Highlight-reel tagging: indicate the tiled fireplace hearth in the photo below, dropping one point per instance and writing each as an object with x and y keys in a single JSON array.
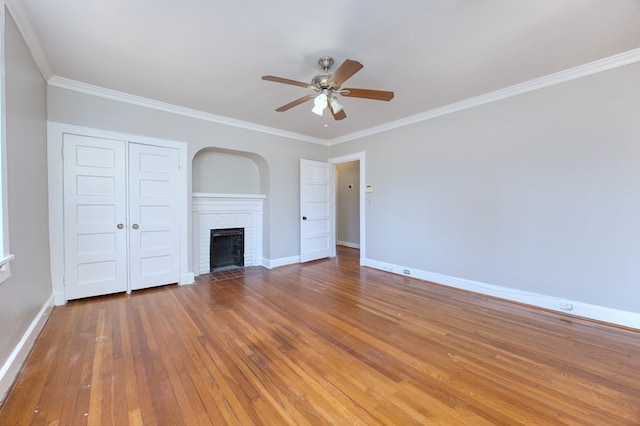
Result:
[{"x": 220, "y": 211}]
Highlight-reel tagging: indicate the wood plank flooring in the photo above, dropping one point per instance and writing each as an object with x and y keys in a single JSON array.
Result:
[{"x": 323, "y": 343}]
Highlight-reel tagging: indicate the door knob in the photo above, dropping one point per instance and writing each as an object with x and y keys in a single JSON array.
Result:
[
  {"x": 304, "y": 218},
  {"x": 134, "y": 226},
  {"x": 120, "y": 226}
]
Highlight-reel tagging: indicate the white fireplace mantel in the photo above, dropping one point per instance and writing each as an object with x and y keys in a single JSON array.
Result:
[{"x": 216, "y": 211}]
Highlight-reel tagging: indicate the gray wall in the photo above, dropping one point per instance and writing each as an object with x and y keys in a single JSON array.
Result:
[
  {"x": 29, "y": 287},
  {"x": 282, "y": 155},
  {"x": 539, "y": 192},
  {"x": 222, "y": 172},
  {"x": 348, "y": 202}
]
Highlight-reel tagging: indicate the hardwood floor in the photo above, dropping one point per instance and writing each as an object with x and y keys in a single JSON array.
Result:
[{"x": 323, "y": 343}]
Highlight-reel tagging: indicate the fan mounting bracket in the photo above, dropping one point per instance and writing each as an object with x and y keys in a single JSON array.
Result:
[{"x": 325, "y": 63}]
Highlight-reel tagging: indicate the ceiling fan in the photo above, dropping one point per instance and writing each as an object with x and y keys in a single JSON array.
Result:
[{"x": 326, "y": 86}]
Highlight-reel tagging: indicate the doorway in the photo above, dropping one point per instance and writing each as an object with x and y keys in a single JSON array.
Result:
[
  {"x": 350, "y": 201},
  {"x": 348, "y": 204}
]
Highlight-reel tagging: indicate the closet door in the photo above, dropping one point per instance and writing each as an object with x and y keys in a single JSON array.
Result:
[
  {"x": 95, "y": 232},
  {"x": 153, "y": 215}
]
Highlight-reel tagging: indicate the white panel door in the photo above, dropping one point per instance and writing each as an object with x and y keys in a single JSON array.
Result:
[
  {"x": 317, "y": 239},
  {"x": 153, "y": 221},
  {"x": 95, "y": 214}
]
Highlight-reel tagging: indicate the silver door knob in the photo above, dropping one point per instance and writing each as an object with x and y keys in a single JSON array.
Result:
[
  {"x": 134, "y": 226},
  {"x": 120, "y": 226}
]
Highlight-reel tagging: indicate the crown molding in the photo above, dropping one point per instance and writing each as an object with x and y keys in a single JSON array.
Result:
[
  {"x": 89, "y": 89},
  {"x": 29, "y": 34},
  {"x": 574, "y": 73},
  {"x": 590, "y": 68},
  {"x": 30, "y": 37}
]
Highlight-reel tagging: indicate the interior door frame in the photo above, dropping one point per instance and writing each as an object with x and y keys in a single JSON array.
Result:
[
  {"x": 360, "y": 157},
  {"x": 55, "y": 165}
]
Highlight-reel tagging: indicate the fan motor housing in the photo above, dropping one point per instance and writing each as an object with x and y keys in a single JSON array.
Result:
[{"x": 321, "y": 81}]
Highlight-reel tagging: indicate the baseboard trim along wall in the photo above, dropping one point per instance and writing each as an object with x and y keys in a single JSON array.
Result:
[
  {"x": 283, "y": 261},
  {"x": 12, "y": 366},
  {"x": 570, "y": 307},
  {"x": 348, "y": 244}
]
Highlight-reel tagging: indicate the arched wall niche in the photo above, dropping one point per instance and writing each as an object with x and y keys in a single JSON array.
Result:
[
  {"x": 223, "y": 176},
  {"x": 224, "y": 171}
]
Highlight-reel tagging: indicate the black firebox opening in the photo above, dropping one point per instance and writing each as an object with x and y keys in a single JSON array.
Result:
[{"x": 226, "y": 249}]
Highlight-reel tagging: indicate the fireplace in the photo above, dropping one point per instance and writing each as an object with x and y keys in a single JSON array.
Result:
[
  {"x": 224, "y": 211},
  {"x": 226, "y": 249}
]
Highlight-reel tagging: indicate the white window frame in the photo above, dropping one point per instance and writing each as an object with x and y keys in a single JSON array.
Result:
[{"x": 5, "y": 257}]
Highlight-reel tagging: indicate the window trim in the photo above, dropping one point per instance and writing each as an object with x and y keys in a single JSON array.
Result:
[{"x": 5, "y": 257}]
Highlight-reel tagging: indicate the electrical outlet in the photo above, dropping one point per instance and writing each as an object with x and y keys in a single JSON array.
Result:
[{"x": 566, "y": 306}]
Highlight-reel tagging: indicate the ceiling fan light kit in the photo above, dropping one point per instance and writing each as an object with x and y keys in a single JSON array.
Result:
[
  {"x": 319, "y": 104},
  {"x": 328, "y": 85},
  {"x": 335, "y": 105}
]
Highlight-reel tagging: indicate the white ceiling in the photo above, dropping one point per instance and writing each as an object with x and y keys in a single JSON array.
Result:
[{"x": 209, "y": 55}]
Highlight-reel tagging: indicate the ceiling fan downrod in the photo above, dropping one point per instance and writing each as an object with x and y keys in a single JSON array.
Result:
[{"x": 321, "y": 81}]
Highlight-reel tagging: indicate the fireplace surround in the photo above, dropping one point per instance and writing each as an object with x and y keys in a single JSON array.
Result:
[{"x": 224, "y": 211}]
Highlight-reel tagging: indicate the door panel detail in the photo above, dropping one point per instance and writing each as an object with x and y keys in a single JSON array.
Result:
[
  {"x": 120, "y": 216},
  {"x": 317, "y": 239}
]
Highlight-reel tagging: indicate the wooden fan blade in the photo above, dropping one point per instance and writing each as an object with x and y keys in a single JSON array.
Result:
[
  {"x": 340, "y": 115},
  {"x": 344, "y": 72},
  {"x": 286, "y": 81},
  {"x": 296, "y": 102},
  {"x": 378, "y": 95}
]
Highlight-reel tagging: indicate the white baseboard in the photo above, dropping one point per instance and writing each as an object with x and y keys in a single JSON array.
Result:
[
  {"x": 58, "y": 298},
  {"x": 570, "y": 307},
  {"x": 188, "y": 278},
  {"x": 18, "y": 356},
  {"x": 348, "y": 244},
  {"x": 283, "y": 261}
]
